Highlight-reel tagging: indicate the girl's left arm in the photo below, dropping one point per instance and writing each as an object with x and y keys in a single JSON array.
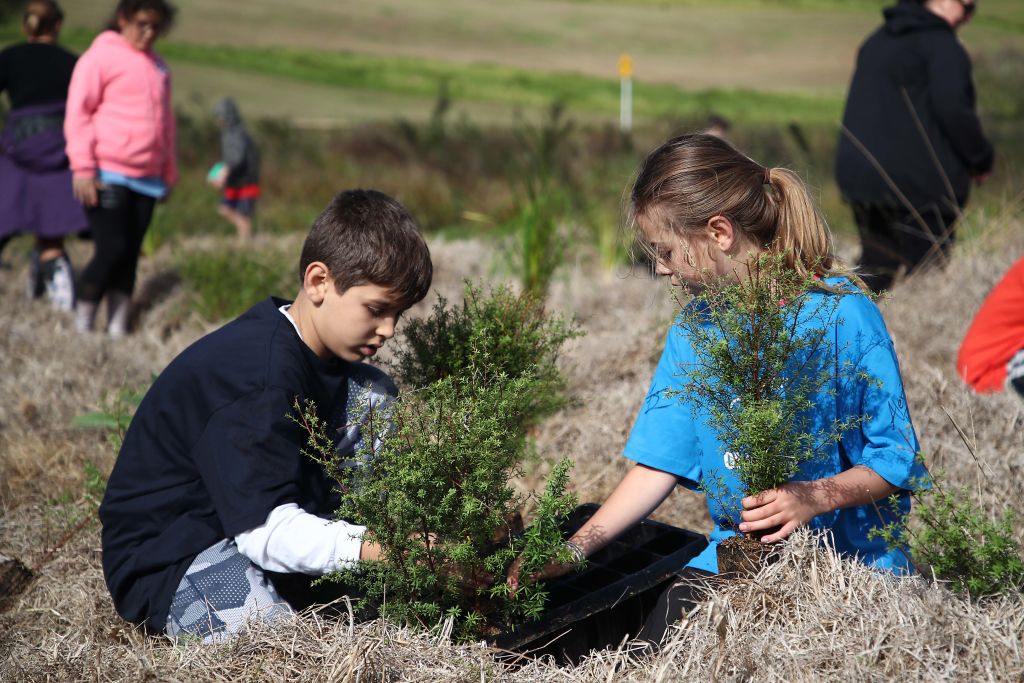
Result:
[{"x": 798, "y": 502}]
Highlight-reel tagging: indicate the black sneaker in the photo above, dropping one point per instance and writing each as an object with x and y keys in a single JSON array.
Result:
[{"x": 36, "y": 286}]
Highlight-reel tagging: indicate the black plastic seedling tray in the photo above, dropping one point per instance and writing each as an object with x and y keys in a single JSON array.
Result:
[{"x": 612, "y": 597}]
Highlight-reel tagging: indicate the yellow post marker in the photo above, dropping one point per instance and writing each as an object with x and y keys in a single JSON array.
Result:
[
  {"x": 625, "y": 66},
  {"x": 625, "y": 92}
]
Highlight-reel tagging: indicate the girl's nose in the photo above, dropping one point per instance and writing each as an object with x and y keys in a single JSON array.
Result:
[{"x": 662, "y": 268}]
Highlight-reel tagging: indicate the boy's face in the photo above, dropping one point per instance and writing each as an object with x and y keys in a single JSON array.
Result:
[{"x": 353, "y": 325}]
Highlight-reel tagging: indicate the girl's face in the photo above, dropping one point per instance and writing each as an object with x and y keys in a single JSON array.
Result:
[
  {"x": 693, "y": 261},
  {"x": 141, "y": 29},
  {"x": 689, "y": 261}
]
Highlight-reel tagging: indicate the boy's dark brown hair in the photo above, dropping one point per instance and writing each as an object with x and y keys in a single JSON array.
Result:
[{"x": 366, "y": 237}]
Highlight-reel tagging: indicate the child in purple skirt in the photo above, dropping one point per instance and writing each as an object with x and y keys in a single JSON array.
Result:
[{"x": 35, "y": 182}]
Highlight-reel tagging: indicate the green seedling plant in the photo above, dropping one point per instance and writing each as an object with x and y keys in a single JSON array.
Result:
[
  {"x": 547, "y": 194},
  {"x": 114, "y": 416},
  {"x": 954, "y": 537},
  {"x": 73, "y": 512},
  {"x": 432, "y": 482},
  {"x": 762, "y": 358}
]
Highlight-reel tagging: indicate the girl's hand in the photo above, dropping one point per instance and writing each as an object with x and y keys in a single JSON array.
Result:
[
  {"x": 798, "y": 502},
  {"x": 789, "y": 506},
  {"x": 85, "y": 190}
]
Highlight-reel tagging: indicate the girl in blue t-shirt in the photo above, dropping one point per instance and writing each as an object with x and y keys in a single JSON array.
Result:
[{"x": 704, "y": 211}]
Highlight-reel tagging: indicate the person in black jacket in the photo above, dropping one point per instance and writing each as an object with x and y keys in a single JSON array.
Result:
[{"x": 911, "y": 140}]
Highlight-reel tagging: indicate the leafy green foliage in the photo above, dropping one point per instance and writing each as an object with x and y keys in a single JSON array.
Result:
[
  {"x": 490, "y": 334},
  {"x": 537, "y": 543},
  {"x": 547, "y": 194},
  {"x": 762, "y": 358},
  {"x": 224, "y": 284},
  {"x": 434, "y": 492},
  {"x": 114, "y": 416},
  {"x": 73, "y": 511},
  {"x": 972, "y": 548}
]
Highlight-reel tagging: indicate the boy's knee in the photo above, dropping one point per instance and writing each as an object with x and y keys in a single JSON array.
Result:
[{"x": 221, "y": 595}]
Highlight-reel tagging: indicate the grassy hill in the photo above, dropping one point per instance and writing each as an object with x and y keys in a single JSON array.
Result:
[{"x": 329, "y": 58}]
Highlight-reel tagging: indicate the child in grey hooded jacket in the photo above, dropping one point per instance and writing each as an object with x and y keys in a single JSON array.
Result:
[{"x": 239, "y": 174}]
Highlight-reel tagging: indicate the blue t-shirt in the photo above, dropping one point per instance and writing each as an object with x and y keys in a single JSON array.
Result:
[{"x": 673, "y": 434}]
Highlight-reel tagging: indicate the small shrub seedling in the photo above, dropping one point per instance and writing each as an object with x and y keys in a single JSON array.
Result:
[
  {"x": 431, "y": 483},
  {"x": 960, "y": 541}
]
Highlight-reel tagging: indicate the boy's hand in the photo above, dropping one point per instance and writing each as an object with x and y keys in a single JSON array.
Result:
[
  {"x": 789, "y": 506},
  {"x": 551, "y": 570}
]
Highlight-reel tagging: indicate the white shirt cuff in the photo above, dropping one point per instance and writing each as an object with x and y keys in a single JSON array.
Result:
[{"x": 294, "y": 541}]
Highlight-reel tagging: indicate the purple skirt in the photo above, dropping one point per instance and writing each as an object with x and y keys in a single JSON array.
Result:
[{"x": 35, "y": 182}]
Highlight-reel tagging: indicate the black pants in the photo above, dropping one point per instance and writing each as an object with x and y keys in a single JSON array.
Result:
[
  {"x": 118, "y": 224},
  {"x": 681, "y": 597},
  {"x": 892, "y": 236}
]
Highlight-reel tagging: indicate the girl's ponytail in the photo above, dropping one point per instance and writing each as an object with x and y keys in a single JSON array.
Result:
[{"x": 800, "y": 230}]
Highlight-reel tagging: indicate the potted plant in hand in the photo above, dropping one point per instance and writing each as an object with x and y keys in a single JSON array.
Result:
[{"x": 763, "y": 356}]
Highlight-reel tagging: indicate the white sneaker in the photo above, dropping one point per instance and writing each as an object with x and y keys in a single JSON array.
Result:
[
  {"x": 119, "y": 313},
  {"x": 60, "y": 285},
  {"x": 85, "y": 316}
]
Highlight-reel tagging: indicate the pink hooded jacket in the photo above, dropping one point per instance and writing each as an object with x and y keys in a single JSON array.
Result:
[{"x": 119, "y": 114}]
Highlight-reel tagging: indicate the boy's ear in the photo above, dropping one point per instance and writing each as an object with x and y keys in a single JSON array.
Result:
[
  {"x": 315, "y": 281},
  {"x": 722, "y": 232}
]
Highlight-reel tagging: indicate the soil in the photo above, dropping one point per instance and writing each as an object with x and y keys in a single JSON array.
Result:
[
  {"x": 14, "y": 578},
  {"x": 743, "y": 556}
]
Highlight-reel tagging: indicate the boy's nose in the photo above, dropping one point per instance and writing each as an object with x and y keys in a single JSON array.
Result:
[{"x": 387, "y": 328}]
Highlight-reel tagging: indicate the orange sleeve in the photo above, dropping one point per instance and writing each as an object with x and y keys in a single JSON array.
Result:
[{"x": 995, "y": 335}]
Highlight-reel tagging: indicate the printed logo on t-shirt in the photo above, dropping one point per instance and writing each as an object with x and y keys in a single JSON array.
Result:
[
  {"x": 900, "y": 411},
  {"x": 730, "y": 460}
]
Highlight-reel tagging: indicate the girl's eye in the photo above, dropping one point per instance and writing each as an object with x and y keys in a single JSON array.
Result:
[{"x": 375, "y": 312}]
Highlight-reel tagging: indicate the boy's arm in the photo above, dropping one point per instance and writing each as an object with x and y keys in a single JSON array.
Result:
[
  {"x": 293, "y": 540},
  {"x": 798, "y": 502}
]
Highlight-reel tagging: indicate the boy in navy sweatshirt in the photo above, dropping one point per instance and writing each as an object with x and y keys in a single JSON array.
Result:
[{"x": 211, "y": 508}]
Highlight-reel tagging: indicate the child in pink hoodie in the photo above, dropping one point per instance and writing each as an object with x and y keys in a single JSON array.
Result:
[{"x": 120, "y": 135}]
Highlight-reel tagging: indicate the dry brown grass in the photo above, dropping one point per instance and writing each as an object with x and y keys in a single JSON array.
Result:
[{"x": 809, "y": 617}]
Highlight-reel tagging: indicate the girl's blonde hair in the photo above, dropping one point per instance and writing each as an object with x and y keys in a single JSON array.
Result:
[
  {"x": 690, "y": 179},
  {"x": 41, "y": 18}
]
